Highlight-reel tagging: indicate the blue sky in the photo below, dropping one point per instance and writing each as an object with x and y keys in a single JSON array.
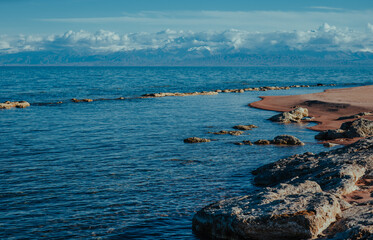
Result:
[{"x": 124, "y": 16}]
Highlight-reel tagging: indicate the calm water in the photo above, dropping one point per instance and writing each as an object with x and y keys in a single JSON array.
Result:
[{"x": 120, "y": 169}]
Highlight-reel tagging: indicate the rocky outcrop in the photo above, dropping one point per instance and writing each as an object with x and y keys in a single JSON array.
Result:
[
  {"x": 295, "y": 115},
  {"x": 196, "y": 140},
  {"x": 245, "y": 127},
  {"x": 156, "y": 95},
  {"x": 362, "y": 114},
  {"x": 286, "y": 140},
  {"x": 298, "y": 211},
  {"x": 304, "y": 198},
  {"x": 9, "y": 105},
  {"x": 223, "y": 132},
  {"x": 358, "y": 128}
]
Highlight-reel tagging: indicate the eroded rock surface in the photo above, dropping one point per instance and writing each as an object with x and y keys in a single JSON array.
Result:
[
  {"x": 9, "y": 105},
  {"x": 305, "y": 197},
  {"x": 286, "y": 140},
  {"x": 358, "y": 128},
  {"x": 295, "y": 115},
  {"x": 299, "y": 211},
  {"x": 223, "y": 132}
]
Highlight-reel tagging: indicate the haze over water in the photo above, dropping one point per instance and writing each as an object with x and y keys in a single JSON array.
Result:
[{"x": 120, "y": 169}]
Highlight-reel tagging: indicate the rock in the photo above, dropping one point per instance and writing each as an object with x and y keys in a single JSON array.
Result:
[
  {"x": 247, "y": 142},
  {"x": 262, "y": 142},
  {"x": 295, "y": 115},
  {"x": 355, "y": 116},
  {"x": 81, "y": 100},
  {"x": 245, "y": 127},
  {"x": 358, "y": 128},
  {"x": 196, "y": 140},
  {"x": 223, "y": 132},
  {"x": 298, "y": 211},
  {"x": 336, "y": 171},
  {"x": 9, "y": 105},
  {"x": 286, "y": 140}
]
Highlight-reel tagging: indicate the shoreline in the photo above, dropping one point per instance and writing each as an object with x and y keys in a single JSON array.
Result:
[{"x": 329, "y": 109}]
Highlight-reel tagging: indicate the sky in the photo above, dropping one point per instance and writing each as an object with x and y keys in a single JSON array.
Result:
[
  {"x": 203, "y": 27},
  {"x": 124, "y": 16}
]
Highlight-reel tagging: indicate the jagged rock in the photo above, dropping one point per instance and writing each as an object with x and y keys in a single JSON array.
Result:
[
  {"x": 9, "y": 105},
  {"x": 245, "y": 127},
  {"x": 336, "y": 171},
  {"x": 295, "y": 115},
  {"x": 358, "y": 128},
  {"x": 81, "y": 100},
  {"x": 262, "y": 142},
  {"x": 196, "y": 140},
  {"x": 247, "y": 142},
  {"x": 223, "y": 132},
  {"x": 286, "y": 140},
  {"x": 299, "y": 211}
]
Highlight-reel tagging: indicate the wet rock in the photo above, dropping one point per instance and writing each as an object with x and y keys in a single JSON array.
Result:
[
  {"x": 81, "y": 100},
  {"x": 247, "y": 142},
  {"x": 298, "y": 211},
  {"x": 295, "y": 115},
  {"x": 358, "y": 128},
  {"x": 245, "y": 127},
  {"x": 286, "y": 140},
  {"x": 156, "y": 95},
  {"x": 9, "y": 105},
  {"x": 262, "y": 142},
  {"x": 330, "y": 144},
  {"x": 223, "y": 132},
  {"x": 196, "y": 140}
]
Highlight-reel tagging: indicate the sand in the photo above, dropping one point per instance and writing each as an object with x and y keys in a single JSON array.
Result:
[{"x": 326, "y": 107}]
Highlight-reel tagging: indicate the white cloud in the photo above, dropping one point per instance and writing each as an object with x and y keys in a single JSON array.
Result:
[{"x": 325, "y": 38}]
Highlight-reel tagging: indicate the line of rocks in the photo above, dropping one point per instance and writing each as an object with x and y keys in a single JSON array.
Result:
[
  {"x": 240, "y": 90},
  {"x": 302, "y": 197}
]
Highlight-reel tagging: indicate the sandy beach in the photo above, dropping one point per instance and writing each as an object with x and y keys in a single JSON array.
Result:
[{"x": 326, "y": 107}]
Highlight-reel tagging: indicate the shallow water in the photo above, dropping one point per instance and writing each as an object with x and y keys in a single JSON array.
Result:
[{"x": 120, "y": 169}]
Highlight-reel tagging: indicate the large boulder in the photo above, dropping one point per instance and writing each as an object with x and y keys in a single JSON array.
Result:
[
  {"x": 299, "y": 211},
  {"x": 295, "y": 115},
  {"x": 358, "y": 128}
]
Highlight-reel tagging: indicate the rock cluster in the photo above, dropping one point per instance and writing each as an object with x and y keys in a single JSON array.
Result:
[
  {"x": 9, "y": 105},
  {"x": 155, "y": 95},
  {"x": 358, "y": 128},
  {"x": 295, "y": 115},
  {"x": 281, "y": 140},
  {"x": 246, "y": 142},
  {"x": 302, "y": 198},
  {"x": 196, "y": 140}
]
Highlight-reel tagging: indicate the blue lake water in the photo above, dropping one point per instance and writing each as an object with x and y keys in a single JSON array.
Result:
[{"x": 120, "y": 169}]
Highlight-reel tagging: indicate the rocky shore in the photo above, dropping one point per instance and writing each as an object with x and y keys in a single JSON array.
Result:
[{"x": 308, "y": 196}]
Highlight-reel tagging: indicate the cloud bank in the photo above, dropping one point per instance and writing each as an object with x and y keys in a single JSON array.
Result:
[{"x": 187, "y": 44}]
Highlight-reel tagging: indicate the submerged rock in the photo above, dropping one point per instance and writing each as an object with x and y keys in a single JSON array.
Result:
[
  {"x": 9, "y": 105},
  {"x": 262, "y": 142},
  {"x": 299, "y": 211},
  {"x": 245, "y": 127},
  {"x": 247, "y": 142},
  {"x": 223, "y": 132},
  {"x": 358, "y": 128},
  {"x": 81, "y": 100},
  {"x": 295, "y": 115},
  {"x": 196, "y": 140}
]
